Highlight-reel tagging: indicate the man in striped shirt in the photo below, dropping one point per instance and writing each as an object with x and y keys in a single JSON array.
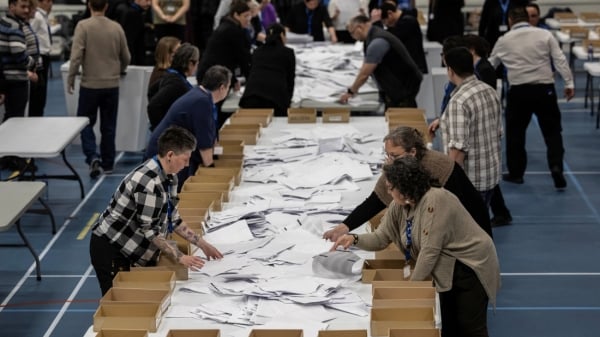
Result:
[{"x": 471, "y": 125}]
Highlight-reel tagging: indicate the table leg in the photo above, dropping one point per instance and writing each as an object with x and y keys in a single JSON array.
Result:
[
  {"x": 587, "y": 90},
  {"x": 35, "y": 256},
  {"x": 46, "y": 210},
  {"x": 64, "y": 156},
  {"x": 591, "y": 95}
]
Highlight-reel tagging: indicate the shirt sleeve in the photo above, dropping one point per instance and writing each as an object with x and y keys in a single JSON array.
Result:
[
  {"x": 560, "y": 62},
  {"x": 457, "y": 126},
  {"x": 376, "y": 51}
]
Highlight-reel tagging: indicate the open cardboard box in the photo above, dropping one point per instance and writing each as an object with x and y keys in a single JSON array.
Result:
[
  {"x": 302, "y": 115},
  {"x": 138, "y": 296},
  {"x": 400, "y": 284},
  {"x": 391, "y": 252},
  {"x": 122, "y": 333},
  {"x": 127, "y": 316},
  {"x": 565, "y": 17},
  {"x": 371, "y": 266},
  {"x": 593, "y": 17},
  {"x": 218, "y": 196},
  {"x": 264, "y": 121},
  {"x": 342, "y": 333},
  {"x": 207, "y": 187},
  {"x": 409, "y": 114},
  {"x": 249, "y": 137},
  {"x": 336, "y": 115},
  {"x": 415, "y": 332},
  {"x": 404, "y": 297},
  {"x": 383, "y": 319},
  {"x": 210, "y": 179},
  {"x": 575, "y": 32},
  {"x": 146, "y": 279},
  {"x": 235, "y": 172},
  {"x": 276, "y": 333},
  {"x": 194, "y": 333},
  {"x": 235, "y": 163},
  {"x": 195, "y": 203},
  {"x": 255, "y": 112},
  {"x": 165, "y": 260}
]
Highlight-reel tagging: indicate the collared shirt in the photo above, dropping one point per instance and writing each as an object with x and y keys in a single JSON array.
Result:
[
  {"x": 528, "y": 53},
  {"x": 39, "y": 25},
  {"x": 137, "y": 212},
  {"x": 472, "y": 124}
]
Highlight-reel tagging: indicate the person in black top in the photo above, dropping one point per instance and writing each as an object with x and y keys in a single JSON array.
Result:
[
  {"x": 173, "y": 84},
  {"x": 445, "y": 19},
  {"x": 407, "y": 29},
  {"x": 308, "y": 18},
  {"x": 229, "y": 46},
  {"x": 271, "y": 80},
  {"x": 131, "y": 16},
  {"x": 494, "y": 18}
]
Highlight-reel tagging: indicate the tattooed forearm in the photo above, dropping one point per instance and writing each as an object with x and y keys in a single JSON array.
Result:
[
  {"x": 188, "y": 234},
  {"x": 167, "y": 248}
]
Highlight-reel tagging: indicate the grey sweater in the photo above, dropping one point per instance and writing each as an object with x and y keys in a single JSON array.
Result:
[{"x": 100, "y": 48}]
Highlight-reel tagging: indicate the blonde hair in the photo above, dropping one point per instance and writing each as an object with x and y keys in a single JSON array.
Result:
[{"x": 165, "y": 48}]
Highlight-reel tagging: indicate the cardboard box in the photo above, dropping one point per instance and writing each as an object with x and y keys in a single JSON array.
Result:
[
  {"x": 249, "y": 137},
  {"x": 127, "y": 316},
  {"x": 575, "y": 32},
  {"x": 391, "y": 252},
  {"x": 255, "y": 112},
  {"x": 404, "y": 298},
  {"x": 122, "y": 333},
  {"x": 194, "y": 333},
  {"x": 383, "y": 319},
  {"x": 211, "y": 179},
  {"x": 235, "y": 163},
  {"x": 263, "y": 120},
  {"x": 565, "y": 17},
  {"x": 165, "y": 260},
  {"x": 336, "y": 115},
  {"x": 407, "y": 114},
  {"x": 400, "y": 284},
  {"x": 207, "y": 187},
  {"x": 202, "y": 193},
  {"x": 235, "y": 172},
  {"x": 195, "y": 203},
  {"x": 302, "y": 115},
  {"x": 415, "y": 333},
  {"x": 370, "y": 267},
  {"x": 421, "y": 126},
  {"x": 239, "y": 127},
  {"x": 218, "y": 196},
  {"x": 593, "y": 17},
  {"x": 342, "y": 333},
  {"x": 276, "y": 333},
  {"x": 161, "y": 280},
  {"x": 138, "y": 296}
]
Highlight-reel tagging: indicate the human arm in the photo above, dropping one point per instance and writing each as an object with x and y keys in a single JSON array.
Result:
[
  {"x": 363, "y": 75},
  {"x": 456, "y": 127},
  {"x": 332, "y": 35},
  {"x": 291, "y": 74},
  {"x": 333, "y": 10},
  {"x": 457, "y": 155},
  {"x": 361, "y": 214},
  {"x": 185, "y": 6},
  {"x": 207, "y": 156},
  {"x": 124, "y": 55},
  {"x": 562, "y": 66},
  {"x": 188, "y": 234},
  {"x": 77, "y": 50}
]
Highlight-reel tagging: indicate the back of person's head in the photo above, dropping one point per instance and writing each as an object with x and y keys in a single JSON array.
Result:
[
  {"x": 238, "y": 7},
  {"x": 165, "y": 48},
  {"x": 478, "y": 44},
  {"x": 460, "y": 61},
  {"x": 274, "y": 34},
  {"x": 406, "y": 175},
  {"x": 408, "y": 138},
  {"x": 176, "y": 139},
  {"x": 98, "y": 5},
  {"x": 452, "y": 42},
  {"x": 387, "y": 7},
  {"x": 518, "y": 14},
  {"x": 182, "y": 57},
  {"x": 215, "y": 77}
]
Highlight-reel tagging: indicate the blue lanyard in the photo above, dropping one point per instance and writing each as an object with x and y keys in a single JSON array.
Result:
[
  {"x": 309, "y": 15},
  {"x": 169, "y": 203},
  {"x": 447, "y": 91},
  {"x": 173, "y": 71},
  {"x": 409, "y": 223},
  {"x": 475, "y": 69},
  {"x": 504, "y": 6}
]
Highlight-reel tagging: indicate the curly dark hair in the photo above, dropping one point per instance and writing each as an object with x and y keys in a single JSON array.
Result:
[{"x": 408, "y": 176}]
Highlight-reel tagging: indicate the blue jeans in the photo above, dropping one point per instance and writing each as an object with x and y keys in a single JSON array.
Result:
[{"x": 107, "y": 100}]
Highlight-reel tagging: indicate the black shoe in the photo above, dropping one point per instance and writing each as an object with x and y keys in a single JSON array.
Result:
[
  {"x": 559, "y": 180},
  {"x": 95, "y": 169},
  {"x": 501, "y": 220},
  {"x": 511, "y": 179}
]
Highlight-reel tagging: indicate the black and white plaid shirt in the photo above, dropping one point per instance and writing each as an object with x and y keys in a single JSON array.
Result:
[{"x": 137, "y": 212}]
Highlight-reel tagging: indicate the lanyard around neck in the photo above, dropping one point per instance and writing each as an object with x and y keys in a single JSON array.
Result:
[
  {"x": 409, "y": 223},
  {"x": 173, "y": 71},
  {"x": 504, "y": 6}
]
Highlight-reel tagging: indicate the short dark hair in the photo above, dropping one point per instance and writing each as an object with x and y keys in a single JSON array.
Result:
[
  {"x": 215, "y": 77},
  {"x": 518, "y": 14},
  {"x": 478, "y": 44},
  {"x": 408, "y": 176},
  {"x": 359, "y": 19},
  {"x": 176, "y": 139},
  {"x": 387, "y": 6},
  {"x": 238, "y": 7},
  {"x": 98, "y": 5},
  {"x": 183, "y": 55},
  {"x": 274, "y": 34},
  {"x": 452, "y": 42},
  {"x": 534, "y": 5},
  {"x": 409, "y": 138},
  {"x": 460, "y": 60}
]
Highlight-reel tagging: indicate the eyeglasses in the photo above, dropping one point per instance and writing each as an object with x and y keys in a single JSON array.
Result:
[{"x": 394, "y": 156}]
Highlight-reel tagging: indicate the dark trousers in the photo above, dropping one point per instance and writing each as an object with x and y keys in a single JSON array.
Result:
[
  {"x": 407, "y": 102},
  {"x": 107, "y": 101},
  {"x": 255, "y": 102},
  {"x": 523, "y": 101},
  {"x": 107, "y": 261},
  {"x": 497, "y": 203},
  {"x": 169, "y": 29},
  {"x": 16, "y": 94},
  {"x": 464, "y": 307},
  {"x": 344, "y": 36},
  {"x": 38, "y": 90}
]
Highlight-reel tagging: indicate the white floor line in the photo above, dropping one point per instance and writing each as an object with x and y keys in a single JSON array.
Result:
[
  {"x": 63, "y": 276},
  {"x": 550, "y": 274},
  {"x": 54, "y": 239},
  {"x": 65, "y": 306}
]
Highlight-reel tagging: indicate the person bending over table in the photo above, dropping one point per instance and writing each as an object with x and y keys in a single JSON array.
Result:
[
  {"x": 433, "y": 229},
  {"x": 271, "y": 80},
  {"x": 142, "y": 215},
  {"x": 408, "y": 142},
  {"x": 308, "y": 17}
]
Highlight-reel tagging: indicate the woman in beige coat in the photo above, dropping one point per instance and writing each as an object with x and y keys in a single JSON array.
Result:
[{"x": 431, "y": 227}]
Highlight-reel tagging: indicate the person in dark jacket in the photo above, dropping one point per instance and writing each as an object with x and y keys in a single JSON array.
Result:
[
  {"x": 386, "y": 58},
  {"x": 494, "y": 18},
  {"x": 173, "y": 84},
  {"x": 271, "y": 80},
  {"x": 445, "y": 19},
  {"x": 308, "y": 17},
  {"x": 131, "y": 16},
  {"x": 229, "y": 46}
]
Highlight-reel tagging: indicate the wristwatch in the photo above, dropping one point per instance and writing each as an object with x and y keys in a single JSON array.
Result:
[
  {"x": 349, "y": 90},
  {"x": 355, "y": 239}
]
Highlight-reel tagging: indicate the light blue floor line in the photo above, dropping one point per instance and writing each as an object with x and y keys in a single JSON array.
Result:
[{"x": 584, "y": 196}]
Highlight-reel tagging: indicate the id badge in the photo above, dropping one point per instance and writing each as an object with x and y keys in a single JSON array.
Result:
[
  {"x": 218, "y": 150},
  {"x": 431, "y": 16},
  {"x": 170, "y": 9},
  {"x": 406, "y": 271},
  {"x": 503, "y": 28}
]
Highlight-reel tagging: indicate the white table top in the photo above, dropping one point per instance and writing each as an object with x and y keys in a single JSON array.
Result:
[
  {"x": 15, "y": 198},
  {"x": 555, "y": 24},
  {"x": 593, "y": 68},
  {"x": 38, "y": 137}
]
